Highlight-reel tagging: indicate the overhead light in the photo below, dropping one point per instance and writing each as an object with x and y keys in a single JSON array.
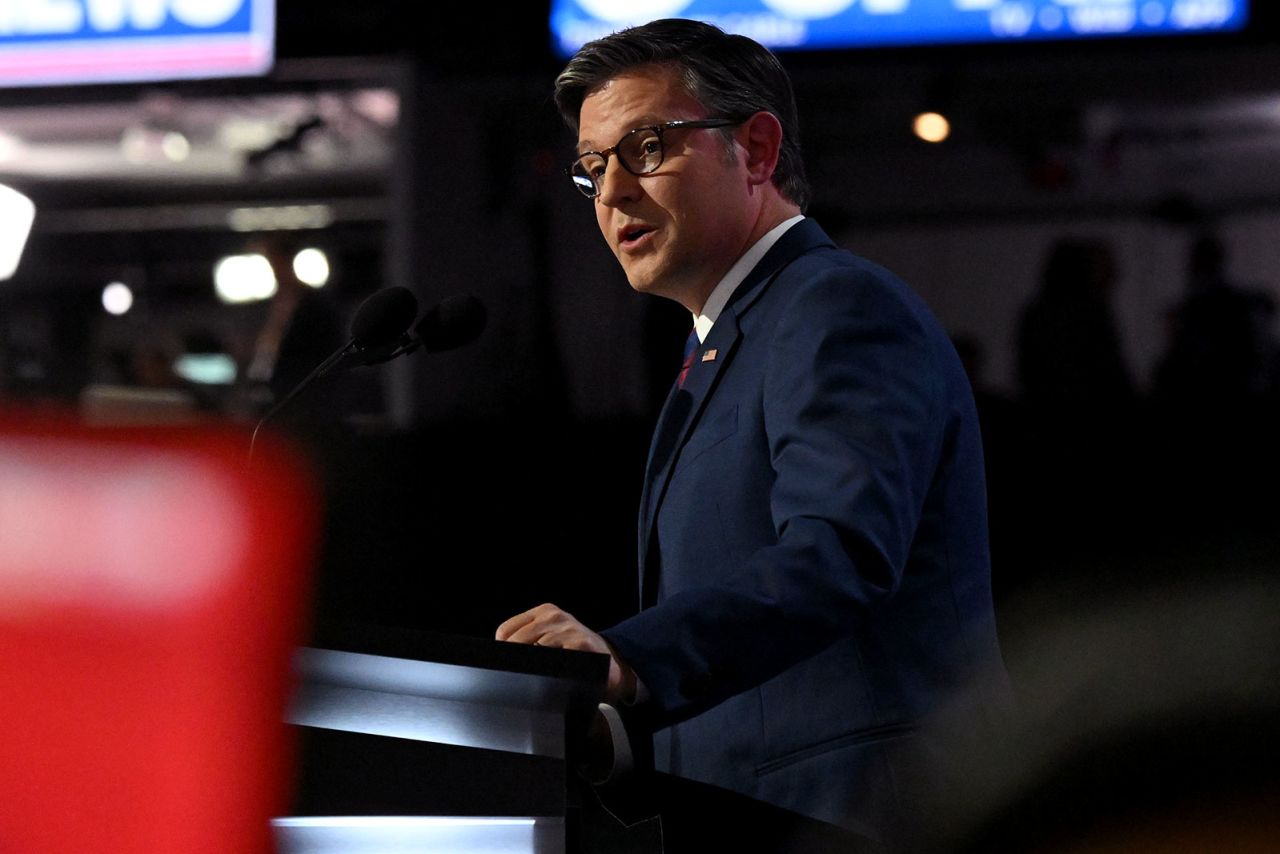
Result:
[
  {"x": 243, "y": 133},
  {"x": 10, "y": 147},
  {"x": 379, "y": 105},
  {"x": 280, "y": 218},
  {"x": 932, "y": 127},
  {"x": 151, "y": 144},
  {"x": 117, "y": 298},
  {"x": 175, "y": 146},
  {"x": 17, "y": 212},
  {"x": 244, "y": 278},
  {"x": 311, "y": 266},
  {"x": 136, "y": 144}
]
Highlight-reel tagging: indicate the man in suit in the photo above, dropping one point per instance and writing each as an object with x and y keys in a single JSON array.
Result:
[{"x": 815, "y": 577}]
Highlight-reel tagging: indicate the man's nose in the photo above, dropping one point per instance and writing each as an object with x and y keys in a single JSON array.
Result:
[{"x": 617, "y": 184}]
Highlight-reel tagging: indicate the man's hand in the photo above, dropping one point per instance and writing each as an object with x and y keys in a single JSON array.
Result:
[{"x": 547, "y": 625}]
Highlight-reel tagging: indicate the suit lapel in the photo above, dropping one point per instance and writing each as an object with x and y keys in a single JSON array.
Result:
[{"x": 684, "y": 405}]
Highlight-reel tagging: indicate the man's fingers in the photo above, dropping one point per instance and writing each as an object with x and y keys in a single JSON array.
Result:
[
  {"x": 533, "y": 633},
  {"x": 547, "y": 625},
  {"x": 511, "y": 626},
  {"x": 531, "y": 625}
]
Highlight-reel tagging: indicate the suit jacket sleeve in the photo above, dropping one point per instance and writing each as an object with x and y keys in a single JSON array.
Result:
[{"x": 853, "y": 418}]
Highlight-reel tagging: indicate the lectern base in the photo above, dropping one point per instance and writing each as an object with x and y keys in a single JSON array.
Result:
[{"x": 418, "y": 835}]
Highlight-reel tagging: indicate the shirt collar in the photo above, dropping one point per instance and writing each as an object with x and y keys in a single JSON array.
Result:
[{"x": 715, "y": 303}]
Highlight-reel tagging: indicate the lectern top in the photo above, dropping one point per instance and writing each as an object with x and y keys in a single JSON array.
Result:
[{"x": 454, "y": 667}]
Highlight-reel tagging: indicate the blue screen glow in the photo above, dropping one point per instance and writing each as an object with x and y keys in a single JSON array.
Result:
[
  {"x": 831, "y": 24},
  {"x": 46, "y": 42}
]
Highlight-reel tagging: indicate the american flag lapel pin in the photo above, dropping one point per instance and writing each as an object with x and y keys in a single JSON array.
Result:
[{"x": 710, "y": 355}]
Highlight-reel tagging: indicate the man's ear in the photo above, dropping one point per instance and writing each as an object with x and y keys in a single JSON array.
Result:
[{"x": 761, "y": 135}]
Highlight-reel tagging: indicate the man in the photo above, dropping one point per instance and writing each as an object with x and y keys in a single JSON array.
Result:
[{"x": 814, "y": 569}]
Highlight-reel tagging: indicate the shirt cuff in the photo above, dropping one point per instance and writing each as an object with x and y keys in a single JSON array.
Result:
[{"x": 623, "y": 760}]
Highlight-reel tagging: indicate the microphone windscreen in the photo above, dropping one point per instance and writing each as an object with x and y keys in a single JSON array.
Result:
[
  {"x": 455, "y": 321},
  {"x": 383, "y": 317}
]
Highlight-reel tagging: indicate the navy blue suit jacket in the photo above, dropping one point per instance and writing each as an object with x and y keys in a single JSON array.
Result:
[{"x": 815, "y": 578}]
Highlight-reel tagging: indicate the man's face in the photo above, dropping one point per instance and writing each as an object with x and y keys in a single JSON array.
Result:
[{"x": 678, "y": 230}]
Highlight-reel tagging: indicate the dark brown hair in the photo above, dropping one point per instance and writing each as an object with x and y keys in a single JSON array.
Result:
[{"x": 730, "y": 75}]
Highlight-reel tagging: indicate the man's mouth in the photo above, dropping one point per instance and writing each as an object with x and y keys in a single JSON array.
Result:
[{"x": 631, "y": 236}]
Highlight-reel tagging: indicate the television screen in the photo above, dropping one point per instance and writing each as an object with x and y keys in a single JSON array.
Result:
[
  {"x": 833, "y": 24},
  {"x": 66, "y": 42}
]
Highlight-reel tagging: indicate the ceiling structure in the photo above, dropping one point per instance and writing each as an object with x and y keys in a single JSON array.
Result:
[
  {"x": 165, "y": 136},
  {"x": 299, "y": 134}
]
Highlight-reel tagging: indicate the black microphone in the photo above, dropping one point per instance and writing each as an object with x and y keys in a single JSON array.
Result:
[
  {"x": 455, "y": 321},
  {"x": 379, "y": 322}
]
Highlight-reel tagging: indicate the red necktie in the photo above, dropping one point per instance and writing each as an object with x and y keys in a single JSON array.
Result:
[{"x": 690, "y": 347}]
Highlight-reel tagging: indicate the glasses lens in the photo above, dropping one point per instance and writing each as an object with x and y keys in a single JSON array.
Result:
[
  {"x": 641, "y": 150},
  {"x": 584, "y": 172}
]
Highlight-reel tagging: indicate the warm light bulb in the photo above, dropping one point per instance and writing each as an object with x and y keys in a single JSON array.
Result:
[{"x": 932, "y": 127}]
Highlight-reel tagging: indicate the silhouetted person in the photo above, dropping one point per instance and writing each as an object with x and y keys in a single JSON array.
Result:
[
  {"x": 1220, "y": 351},
  {"x": 1215, "y": 393},
  {"x": 1077, "y": 401},
  {"x": 1069, "y": 356}
]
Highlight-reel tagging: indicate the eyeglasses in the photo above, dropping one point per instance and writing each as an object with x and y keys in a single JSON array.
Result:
[{"x": 640, "y": 152}]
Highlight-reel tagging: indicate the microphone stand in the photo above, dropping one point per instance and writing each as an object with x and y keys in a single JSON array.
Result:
[{"x": 316, "y": 373}]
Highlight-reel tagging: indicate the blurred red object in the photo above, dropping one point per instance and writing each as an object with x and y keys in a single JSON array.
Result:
[{"x": 153, "y": 587}]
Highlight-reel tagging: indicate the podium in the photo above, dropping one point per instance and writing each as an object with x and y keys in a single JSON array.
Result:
[
  {"x": 421, "y": 742},
  {"x": 442, "y": 744}
]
